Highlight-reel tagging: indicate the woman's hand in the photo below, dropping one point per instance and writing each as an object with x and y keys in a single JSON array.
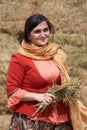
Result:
[{"x": 45, "y": 98}]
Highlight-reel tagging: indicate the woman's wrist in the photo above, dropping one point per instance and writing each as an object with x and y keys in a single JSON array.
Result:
[{"x": 29, "y": 96}]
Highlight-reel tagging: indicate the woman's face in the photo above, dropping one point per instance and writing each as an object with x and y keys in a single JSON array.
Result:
[{"x": 40, "y": 34}]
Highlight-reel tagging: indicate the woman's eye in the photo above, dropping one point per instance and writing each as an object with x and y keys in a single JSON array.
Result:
[
  {"x": 37, "y": 31},
  {"x": 46, "y": 29}
]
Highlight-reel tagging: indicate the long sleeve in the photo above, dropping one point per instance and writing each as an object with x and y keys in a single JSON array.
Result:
[
  {"x": 15, "y": 75},
  {"x": 14, "y": 82},
  {"x": 16, "y": 97}
]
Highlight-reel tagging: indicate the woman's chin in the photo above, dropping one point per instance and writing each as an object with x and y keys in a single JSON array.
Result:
[{"x": 42, "y": 44}]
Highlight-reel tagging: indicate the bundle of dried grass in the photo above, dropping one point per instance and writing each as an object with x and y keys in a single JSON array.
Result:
[{"x": 65, "y": 93}]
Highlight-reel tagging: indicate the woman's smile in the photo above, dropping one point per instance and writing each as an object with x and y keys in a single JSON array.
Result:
[{"x": 40, "y": 34}]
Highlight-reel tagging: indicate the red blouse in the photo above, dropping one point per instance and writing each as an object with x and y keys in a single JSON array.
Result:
[{"x": 29, "y": 75}]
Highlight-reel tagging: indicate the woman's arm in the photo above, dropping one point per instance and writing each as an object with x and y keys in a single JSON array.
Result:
[
  {"x": 15, "y": 76},
  {"x": 40, "y": 97},
  {"x": 22, "y": 95}
]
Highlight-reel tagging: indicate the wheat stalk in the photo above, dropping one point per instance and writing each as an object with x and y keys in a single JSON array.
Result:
[{"x": 64, "y": 93}]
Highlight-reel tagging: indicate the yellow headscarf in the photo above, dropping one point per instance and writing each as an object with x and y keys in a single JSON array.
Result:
[{"x": 76, "y": 110}]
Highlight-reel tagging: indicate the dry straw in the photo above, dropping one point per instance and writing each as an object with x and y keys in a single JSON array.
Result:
[{"x": 64, "y": 93}]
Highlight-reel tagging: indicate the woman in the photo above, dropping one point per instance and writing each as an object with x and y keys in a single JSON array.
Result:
[{"x": 32, "y": 71}]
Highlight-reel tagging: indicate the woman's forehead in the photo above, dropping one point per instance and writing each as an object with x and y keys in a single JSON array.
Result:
[{"x": 41, "y": 25}]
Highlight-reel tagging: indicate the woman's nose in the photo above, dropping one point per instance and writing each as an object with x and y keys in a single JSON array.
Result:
[{"x": 42, "y": 34}]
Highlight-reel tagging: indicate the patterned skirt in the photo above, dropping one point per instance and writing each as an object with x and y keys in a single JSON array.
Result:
[{"x": 22, "y": 122}]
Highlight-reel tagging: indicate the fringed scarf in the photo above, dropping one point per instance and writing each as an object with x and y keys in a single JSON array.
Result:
[
  {"x": 49, "y": 51},
  {"x": 77, "y": 111}
]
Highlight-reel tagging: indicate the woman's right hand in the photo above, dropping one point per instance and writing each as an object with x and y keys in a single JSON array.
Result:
[{"x": 45, "y": 98}]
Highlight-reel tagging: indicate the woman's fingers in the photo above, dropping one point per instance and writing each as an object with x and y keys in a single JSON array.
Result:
[{"x": 48, "y": 98}]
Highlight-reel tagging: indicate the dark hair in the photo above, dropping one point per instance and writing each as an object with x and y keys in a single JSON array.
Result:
[{"x": 32, "y": 22}]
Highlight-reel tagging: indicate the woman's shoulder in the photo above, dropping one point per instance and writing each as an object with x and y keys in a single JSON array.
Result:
[
  {"x": 19, "y": 56},
  {"x": 20, "y": 59}
]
